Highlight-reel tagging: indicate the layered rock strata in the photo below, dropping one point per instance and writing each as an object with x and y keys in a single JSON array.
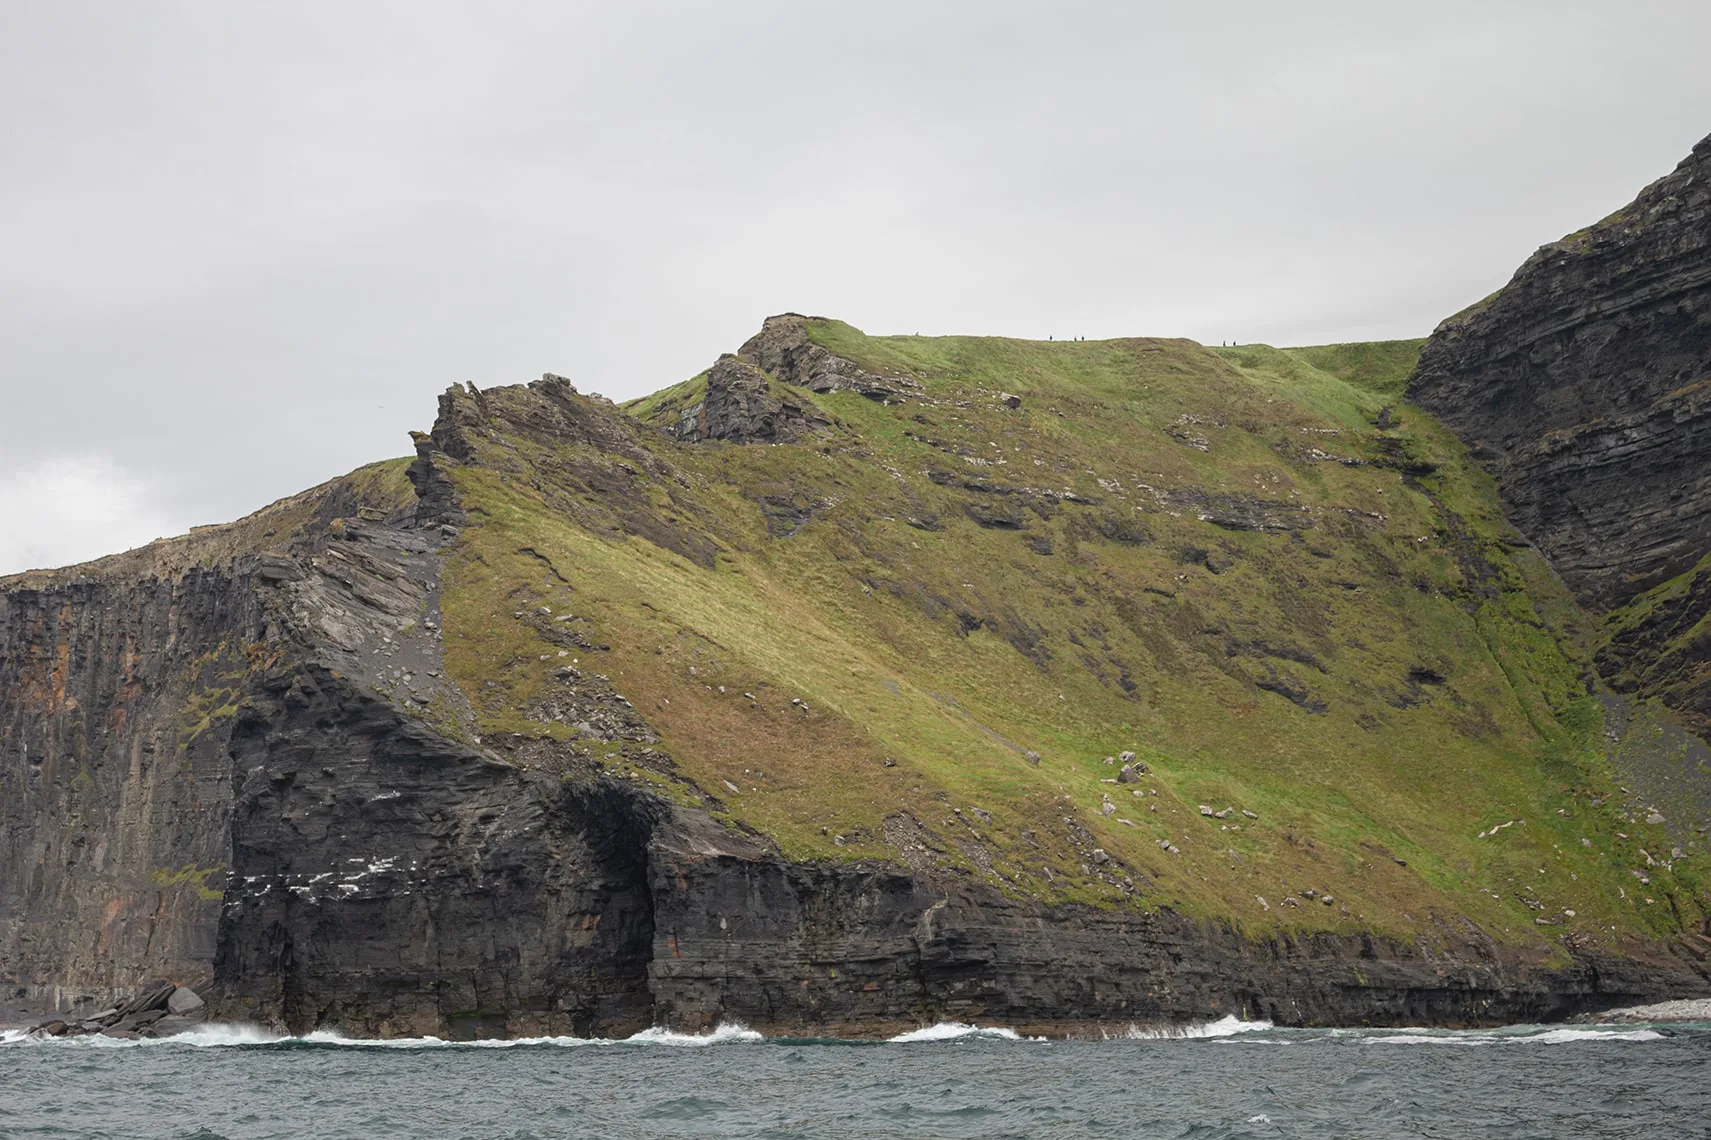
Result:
[{"x": 1584, "y": 387}]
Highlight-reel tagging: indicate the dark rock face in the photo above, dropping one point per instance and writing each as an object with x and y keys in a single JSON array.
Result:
[
  {"x": 1585, "y": 387},
  {"x": 784, "y": 349},
  {"x": 115, "y": 699},
  {"x": 119, "y": 694},
  {"x": 393, "y": 881},
  {"x": 741, "y": 408},
  {"x": 876, "y": 950}
]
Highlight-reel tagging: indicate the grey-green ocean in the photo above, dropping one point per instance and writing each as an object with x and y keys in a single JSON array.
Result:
[{"x": 1226, "y": 1080}]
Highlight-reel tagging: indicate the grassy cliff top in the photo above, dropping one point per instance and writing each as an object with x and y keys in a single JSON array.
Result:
[
  {"x": 380, "y": 487},
  {"x": 919, "y": 633}
]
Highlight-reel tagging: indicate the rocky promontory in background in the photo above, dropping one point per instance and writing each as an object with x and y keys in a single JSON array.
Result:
[{"x": 864, "y": 682}]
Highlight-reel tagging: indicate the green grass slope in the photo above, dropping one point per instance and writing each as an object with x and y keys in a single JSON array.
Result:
[{"x": 920, "y": 635}]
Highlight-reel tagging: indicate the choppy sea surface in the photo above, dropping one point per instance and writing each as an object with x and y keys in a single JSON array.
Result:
[{"x": 1226, "y": 1080}]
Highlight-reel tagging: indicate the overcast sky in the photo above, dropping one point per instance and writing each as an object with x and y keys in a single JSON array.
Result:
[{"x": 246, "y": 244}]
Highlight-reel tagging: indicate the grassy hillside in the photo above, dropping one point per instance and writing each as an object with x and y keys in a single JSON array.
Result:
[{"x": 920, "y": 635}]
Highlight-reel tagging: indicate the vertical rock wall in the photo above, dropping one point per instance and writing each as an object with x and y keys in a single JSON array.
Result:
[
  {"x": 1584, "y": 386},
  {"x": 116, "y": 702},
  {"x": 389, "y": 880}
]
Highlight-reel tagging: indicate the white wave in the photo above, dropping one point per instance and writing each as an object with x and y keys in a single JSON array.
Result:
[
  {"x": 1558, "y": 1036},
  {"x": 953, "y": 1030},
  {"x": 720, "y": 1035},
  {"x": 1512, "y": 1035},
  {"x": 230, "y": 1034},
  {"x": 723, "y": 1034},
  {"x": 217, "y": 1035},
  {"x": 332, "y": 1037},
  {"x": 200, "y": 1037},
  {"x": 1227, "y": 1026}
]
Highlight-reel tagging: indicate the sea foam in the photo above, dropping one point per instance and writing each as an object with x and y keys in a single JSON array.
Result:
[
  {"x": 1512, "y": 1035},
  {"x": 228, "y": 1035},
  {"x": 955, "y": 1030},
  {"x": 1228, "y": 1026}
]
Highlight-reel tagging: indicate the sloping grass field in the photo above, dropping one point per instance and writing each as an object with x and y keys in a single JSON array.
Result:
[{"x": 928, "y": 633}]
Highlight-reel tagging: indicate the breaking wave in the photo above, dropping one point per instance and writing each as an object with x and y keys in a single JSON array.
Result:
[
  {"x": 957, "y": 1030},
  {"x": 229, "y": 1035},
  {"x": 1228, "y": 1026},
  {"x": 727, "y": 1034},
  {"x": 1511, "y": 1035}
]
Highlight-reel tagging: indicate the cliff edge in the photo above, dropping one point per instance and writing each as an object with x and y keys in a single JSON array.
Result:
[
  {"x": 854, "y": 684},
  {"x": 1584, "y": 387}
]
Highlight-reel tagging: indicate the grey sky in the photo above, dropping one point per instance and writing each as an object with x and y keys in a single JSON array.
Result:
[{"x": 245, "y": 245}]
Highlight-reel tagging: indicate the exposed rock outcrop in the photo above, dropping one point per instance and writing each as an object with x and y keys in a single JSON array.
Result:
[
  {"x": 241, "y": 758},
  {"x": 1584, "y": 386},
  {"x": 119, "y": 692},
  {"x": 740, "y": 407},
  {"x": 784, "y": 349}
]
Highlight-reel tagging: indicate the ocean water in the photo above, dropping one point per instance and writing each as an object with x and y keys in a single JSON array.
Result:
[{"x": 1226, "y": 1080}]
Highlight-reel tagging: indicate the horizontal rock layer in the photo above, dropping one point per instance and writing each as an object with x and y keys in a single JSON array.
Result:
[{"x": 1584, "y": 386}]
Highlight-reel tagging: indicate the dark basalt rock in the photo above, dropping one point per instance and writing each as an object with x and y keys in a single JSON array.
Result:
[
  {"x": 741, "y": 408},
  {"x": 159, "y": 1008},
  {"x": 1584, "y": 386}
]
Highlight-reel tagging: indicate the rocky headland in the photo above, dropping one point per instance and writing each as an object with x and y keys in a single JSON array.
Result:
[
  {"x": 1584, "y": 387},
  {"x": 860, "y": 683}
]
